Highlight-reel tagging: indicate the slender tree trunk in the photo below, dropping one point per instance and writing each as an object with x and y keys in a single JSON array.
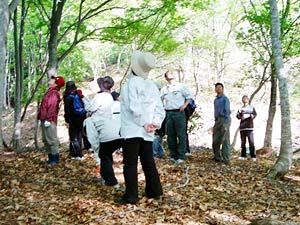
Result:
[
  {"x": 18, "y": 94},
  {"x": 284, "y": 162},
  {"x": 57, "y": 9},
  {"x": 272, "y": 108},
  {"x": 4, "y": 21}
]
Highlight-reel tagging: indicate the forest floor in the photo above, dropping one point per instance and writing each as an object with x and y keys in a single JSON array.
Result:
[
  {"x": 196, "y": 192},
  {"x": 199, "y": 191}
]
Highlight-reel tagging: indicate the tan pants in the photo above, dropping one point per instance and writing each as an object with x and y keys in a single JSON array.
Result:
[{"x": 50, "y": 139}]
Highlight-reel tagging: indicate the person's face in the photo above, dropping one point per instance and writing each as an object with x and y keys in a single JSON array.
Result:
[
  {"x": 51, "y": 82},
  {"x": 245, "y": 100},
  {"x": 219, "y": 89},
  {"x": 169, "y": 76}
]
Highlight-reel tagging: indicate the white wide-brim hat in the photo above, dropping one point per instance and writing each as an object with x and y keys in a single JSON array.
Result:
[{"x": 142, "y": 63}]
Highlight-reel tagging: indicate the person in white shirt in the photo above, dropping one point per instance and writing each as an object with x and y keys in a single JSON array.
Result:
[
  {"x": 176, "y": 97},
  {"x": 142, "y": 113},
  {"x": 103, "y": 129},
  {"x": 247, "y": 114}
]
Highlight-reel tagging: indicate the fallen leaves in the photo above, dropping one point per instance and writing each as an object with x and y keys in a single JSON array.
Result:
[{"x": 209, "y": 193}]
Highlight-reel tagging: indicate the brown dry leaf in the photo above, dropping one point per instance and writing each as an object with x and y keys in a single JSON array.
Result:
[{"x": 32, "y": 193}]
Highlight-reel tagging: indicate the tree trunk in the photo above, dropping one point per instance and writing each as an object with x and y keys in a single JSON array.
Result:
[
  {"x": 17, "y": 97},
  {"x": 272, "y": 108},
  {"x": 57, "y": 9},
  {"x": 4, "y": 20},
  {"x": 284, "y": 162}
]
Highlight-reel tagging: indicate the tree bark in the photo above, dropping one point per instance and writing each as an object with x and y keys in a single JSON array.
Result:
[
  {"x": 57, "y": 9},
  {"x": 272, "y": 108},
  {"x": 5, "y": 10},
  {"x": 4, "y": 20},
  {"x": 283, "y": 164},
  {"x": 17, "y": 98}
]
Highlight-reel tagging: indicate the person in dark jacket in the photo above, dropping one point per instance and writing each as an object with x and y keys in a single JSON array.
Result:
[
  {"x": 74, "y": 121},
  {"x": 48, "y": 113},
  {"x": 247, "y": 114}
]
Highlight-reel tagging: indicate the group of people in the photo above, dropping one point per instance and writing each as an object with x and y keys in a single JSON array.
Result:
[{"x": 131, "y": 124}]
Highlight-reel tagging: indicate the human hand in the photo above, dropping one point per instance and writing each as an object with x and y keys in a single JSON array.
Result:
[
  {"x": 150, "y": 127},
  {"x": 181, "y": 108},
  {"x": 47, "y": 123}
]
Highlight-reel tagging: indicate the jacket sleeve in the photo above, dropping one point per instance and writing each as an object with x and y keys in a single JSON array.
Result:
[
  {"x": 186, "y": 93},
  {"x": 68, "y": 105},
  {"x": 135, "y": 103},
  {"x": 254, "y": 113},
  {"x": 227, "y": 110},
  {"x": 159, "y": 111}
]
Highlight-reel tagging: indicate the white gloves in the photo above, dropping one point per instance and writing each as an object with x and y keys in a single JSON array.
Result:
[{"x": 47, "y": 123}]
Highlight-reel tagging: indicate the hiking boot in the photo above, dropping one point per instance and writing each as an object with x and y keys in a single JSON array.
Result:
[
  {"x": 122, "y": 201},
  {"x": 53, "y": 159},
  {"x": 179, "y": 161}
]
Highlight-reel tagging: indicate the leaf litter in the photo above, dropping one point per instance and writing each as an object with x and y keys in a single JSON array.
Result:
[{"x": 199, "y": 191}]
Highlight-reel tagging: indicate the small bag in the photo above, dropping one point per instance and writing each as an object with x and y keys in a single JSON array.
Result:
[
  {"x": 78, "y": 105},
  {"x": 190, "y": 109}
]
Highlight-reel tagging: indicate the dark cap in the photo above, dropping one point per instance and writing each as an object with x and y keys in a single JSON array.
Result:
[
  {"x": 105, "y": 83},
  {"x": 70, "y": 87}
]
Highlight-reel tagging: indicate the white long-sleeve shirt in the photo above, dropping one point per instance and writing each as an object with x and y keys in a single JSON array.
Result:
[
  {"x": 102, "y": 126},
  {"x": 140, "y": 105},
  {"x": 100, "y": 105}
]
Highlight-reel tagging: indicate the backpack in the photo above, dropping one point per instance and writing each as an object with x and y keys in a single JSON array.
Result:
[
  {"x": 190, "y": 109},
  {"x": 78, "y": 106}
]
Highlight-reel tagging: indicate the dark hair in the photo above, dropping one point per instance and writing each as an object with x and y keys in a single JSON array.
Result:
[
  {"x": 166, "y": 73},
  {"x": 216, "y": 84}
]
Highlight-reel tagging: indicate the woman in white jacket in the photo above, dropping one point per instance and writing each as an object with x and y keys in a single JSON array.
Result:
[
  {"x": 142, "y": 113},
  {"x": 103, "y": 129}
]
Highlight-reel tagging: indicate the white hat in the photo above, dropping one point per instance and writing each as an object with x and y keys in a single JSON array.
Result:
[{"x": 142, "y": 63}]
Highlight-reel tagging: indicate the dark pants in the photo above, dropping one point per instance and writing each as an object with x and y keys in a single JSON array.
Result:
[
  {"x": 105, "y": 154},
  {"x": 176, "y": 134},
  {"x": 221, "y": 136},
  {"x": 86, "y": 143},
  {"x": 188, "y": 150},
  {"x": 132, "y": 148},
  {"x": 247, "y": 134},
  {"x": 75, "y": 135}
]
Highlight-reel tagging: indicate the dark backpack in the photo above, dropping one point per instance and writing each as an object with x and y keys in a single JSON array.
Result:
[
  {"x": 78, "y": 106},
  {"x": 190, "y": 109}
]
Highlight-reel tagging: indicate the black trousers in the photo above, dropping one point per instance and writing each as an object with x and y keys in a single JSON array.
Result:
[
  {"x": 188, "y": 150},
  {"x": 105, "y": 154},
  {"x": 75, "y": 135},
  {"x": 244, "y": 135},
  {"x": 132, "y": 149},
  {"x": 86, "y": 143}
]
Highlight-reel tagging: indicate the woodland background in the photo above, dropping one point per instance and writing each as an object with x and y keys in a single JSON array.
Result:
[{"x": 250, "y": 46}]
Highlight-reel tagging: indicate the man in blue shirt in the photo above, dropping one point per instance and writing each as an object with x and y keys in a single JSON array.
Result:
[{"x": 221, "y": 135}]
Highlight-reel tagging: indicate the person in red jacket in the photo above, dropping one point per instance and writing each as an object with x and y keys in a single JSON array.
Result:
[{"x": 48, "y": 113}]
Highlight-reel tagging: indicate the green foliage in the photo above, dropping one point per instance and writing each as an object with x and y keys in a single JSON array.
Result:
[
  {"x": 257, "y": 37},
  {"x": 75, "y": 67}
]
